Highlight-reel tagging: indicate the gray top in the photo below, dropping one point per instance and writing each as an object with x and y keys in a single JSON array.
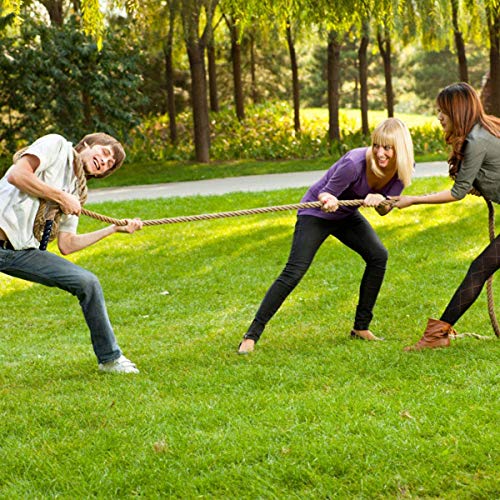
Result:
[{"x": 480, "y": 167}]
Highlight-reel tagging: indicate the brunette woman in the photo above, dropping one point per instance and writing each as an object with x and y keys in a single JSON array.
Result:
[{"x": 474, "y": 163}]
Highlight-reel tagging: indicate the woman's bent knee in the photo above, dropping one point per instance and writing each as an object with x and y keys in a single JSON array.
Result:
[{"x": 378, "y": 257}]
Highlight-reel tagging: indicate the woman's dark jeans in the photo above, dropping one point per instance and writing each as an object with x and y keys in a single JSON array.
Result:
[
  {"x": 483, "y": 266},
  {"x": 310, "y": 232}
]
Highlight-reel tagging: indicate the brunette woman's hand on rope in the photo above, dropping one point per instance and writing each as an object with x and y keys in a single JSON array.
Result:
[
  {"x": 330, "y": 202},
  {"x": 132, "y": 226},
  {"x": 403, "y": 201},
  {"x": 373, "y": 200}
]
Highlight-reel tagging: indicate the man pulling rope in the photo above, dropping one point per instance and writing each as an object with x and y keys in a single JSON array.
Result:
[{"x": 51, "y": 170}]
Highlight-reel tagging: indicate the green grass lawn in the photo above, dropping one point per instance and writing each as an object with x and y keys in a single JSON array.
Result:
[{"x": 310, "y": 414}]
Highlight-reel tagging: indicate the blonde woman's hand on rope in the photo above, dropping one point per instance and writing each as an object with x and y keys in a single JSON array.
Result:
[
  {"x": 132, "y": 226},
  {"x": 330, "y": 202}
]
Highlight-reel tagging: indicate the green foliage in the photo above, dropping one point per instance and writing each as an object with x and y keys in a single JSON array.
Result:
[
  {"x": 266, "y": 134},
  {"x": 434, "y": 70},
  {"x": 55, "y": 80},
  {"x": 310, "y": 415},
  {"x": 93, "y": 21},
  {"x": 428, "y": 139}
]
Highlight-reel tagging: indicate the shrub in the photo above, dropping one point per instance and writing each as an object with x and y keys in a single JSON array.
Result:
[
  {"x": 267, "y": 133},
  {"x": 56, "y": 81}
]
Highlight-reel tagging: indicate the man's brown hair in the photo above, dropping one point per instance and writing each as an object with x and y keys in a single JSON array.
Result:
[{"x": 103, "y": 139}]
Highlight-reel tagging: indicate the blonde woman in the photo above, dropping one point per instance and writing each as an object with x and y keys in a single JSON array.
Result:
[{"x": 370, "y": 173}]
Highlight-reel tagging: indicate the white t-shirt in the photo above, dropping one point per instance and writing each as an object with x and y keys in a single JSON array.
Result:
[{"x": 18, "y": 210}]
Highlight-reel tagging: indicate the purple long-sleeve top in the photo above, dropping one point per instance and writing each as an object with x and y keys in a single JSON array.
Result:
[{"x": 346, "y": 180}]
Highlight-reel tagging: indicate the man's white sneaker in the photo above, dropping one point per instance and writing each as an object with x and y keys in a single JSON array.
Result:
[{"x": 120, "y": 365}]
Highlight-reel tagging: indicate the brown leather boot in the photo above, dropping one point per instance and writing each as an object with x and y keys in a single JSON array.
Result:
[{"x": 437, "y": 334}]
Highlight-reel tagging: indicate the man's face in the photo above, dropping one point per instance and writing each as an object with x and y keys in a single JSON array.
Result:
[{"x": 97, "y": 159}]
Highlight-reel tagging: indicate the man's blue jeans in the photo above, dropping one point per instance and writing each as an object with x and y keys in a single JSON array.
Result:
[{"x": 51, "y": 270}]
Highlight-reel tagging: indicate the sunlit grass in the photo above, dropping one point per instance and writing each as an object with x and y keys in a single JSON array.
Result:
[
  {"x": 352, "y": 117},
  {"x": 310, "y": 414}
]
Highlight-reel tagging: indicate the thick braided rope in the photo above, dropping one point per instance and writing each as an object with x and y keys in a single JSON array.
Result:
[
  {"x": 51, "y": 211},
  {"x": 489, "y": 283},
  {"x": 296, "y": 206},
  {"x": 221, "y": 215}
]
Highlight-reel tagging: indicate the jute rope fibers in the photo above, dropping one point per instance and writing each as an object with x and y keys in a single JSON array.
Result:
[
  {"x": 221, "y": 215},
  {"x": 51, "y": 211},
  {"x": 296, "y": 206}
]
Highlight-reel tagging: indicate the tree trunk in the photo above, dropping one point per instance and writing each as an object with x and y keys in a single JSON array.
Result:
[
  {"x": 463, "y": 71},
  {"x": 195, "y": 47},
  {"x": 384, "y": 45},
  {"x": 253, "y": 72},
  {"x": 212, "y": 77},
  {"x": 236, "y": 61},
  {"x": 295, "y": 78},
  {"x": 169, "y": 72},
  {"x": 493, "y": 106},
  {"x": 333, "y": 76},
  {"x": 363, "y": 77},
  {"x": 169, "y": 84},
  {"x": 55, "y": 10},
  {"x": 199, "y": 102}
]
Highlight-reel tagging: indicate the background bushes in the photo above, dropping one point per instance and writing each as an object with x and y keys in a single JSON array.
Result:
[{"x": 267, "y": 133}]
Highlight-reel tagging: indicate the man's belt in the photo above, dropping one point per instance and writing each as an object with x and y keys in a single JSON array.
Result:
[{"x": 6, "y": 245}]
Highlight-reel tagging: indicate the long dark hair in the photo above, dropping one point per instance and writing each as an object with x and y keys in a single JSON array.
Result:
[{"x": 462, "y": 104}]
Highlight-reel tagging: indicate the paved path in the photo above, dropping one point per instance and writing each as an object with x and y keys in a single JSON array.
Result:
[{"x": 247, "y": 183}]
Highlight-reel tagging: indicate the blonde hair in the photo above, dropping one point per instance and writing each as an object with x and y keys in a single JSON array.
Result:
[{"x": 393, "y": 132}]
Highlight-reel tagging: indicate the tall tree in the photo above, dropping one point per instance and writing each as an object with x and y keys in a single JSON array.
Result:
[
  {"x": 459, "y": 43},
  {"x": 333, "y": 78},
  {"x": 438, "y": 19},
  {"x": 55, "y": 10},
  {"x": 386, "y": 17},
  {"x": 295, "y": 76},
  {"x": 168, "y": 47},
  {"x": 363, "y": 73},
  {"x": 291, "y": 16},
  {"x": 493, "y": 18},
  {"x": 157, "y": 30},
  {"x": 212, "y": 70},
  {"x": 192, "y": 12},
  {"x": 233, "y": 24},
  {"x": 336, "y": 19},
  {"x": 384, "y": 47}
]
